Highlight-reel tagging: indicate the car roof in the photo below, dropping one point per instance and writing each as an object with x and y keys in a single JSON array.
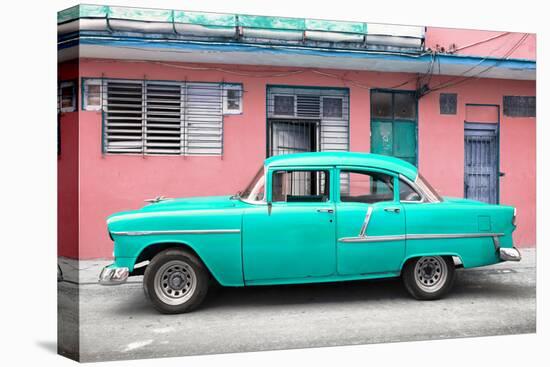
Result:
[{"x": 344, "y": 159}]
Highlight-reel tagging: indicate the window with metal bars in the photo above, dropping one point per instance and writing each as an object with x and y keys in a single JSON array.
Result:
[
  {"x": 302, "y": 119},
  {"x": 520, "y": 106},
  {"x": 158, "y": 117},
  {"x": 300, "y": 186}
]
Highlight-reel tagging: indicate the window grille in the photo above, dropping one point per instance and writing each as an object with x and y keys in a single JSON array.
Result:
[
  {"x": 233, "y": 99},
  {"x": 168, "y": 118},
  {"x": 308, "y": 105},
  {"x": 447, "y": 103},
  {"x": 520, "y": 106},
  {"x": 283, "y": 105},
  {"x": 307, "y": 119},
  {"x": 333, "y": 107},
  {"x": 92, "y": 95}
]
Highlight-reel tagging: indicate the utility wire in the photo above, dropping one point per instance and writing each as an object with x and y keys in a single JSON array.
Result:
[
  {"x": 505, "y": 57},
  {"x": 421, "y": 80},
  {"x": 480, "y": 42}
]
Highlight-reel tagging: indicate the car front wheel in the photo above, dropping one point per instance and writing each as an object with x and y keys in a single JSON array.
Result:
[
  {"x": 175, "y": 281},
  {"x": 429, "y": 277}
]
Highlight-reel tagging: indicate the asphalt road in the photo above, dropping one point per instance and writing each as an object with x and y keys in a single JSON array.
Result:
[{"x": 119, "y": 323}]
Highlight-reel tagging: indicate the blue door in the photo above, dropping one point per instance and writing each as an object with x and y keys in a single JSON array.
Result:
[{"x": 481, "y": 162}]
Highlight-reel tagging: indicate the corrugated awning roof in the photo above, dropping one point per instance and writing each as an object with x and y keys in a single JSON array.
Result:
[{"x": 174, "y": 35}]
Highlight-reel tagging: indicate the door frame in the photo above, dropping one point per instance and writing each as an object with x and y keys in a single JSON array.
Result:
[
  {"x": 394, "y": 92},
  {"x": 497, "y": 143},
  {"x": 315, "y": 125}
]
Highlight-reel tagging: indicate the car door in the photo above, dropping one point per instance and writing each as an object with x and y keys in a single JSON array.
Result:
[
  {"x": 293, "y": 237},
  {"x": 370, "y": 223}
]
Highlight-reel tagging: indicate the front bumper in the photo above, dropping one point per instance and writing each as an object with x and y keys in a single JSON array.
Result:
[
  {"x": 113, "y": 276},
  {"x": 509, "y": 254}
]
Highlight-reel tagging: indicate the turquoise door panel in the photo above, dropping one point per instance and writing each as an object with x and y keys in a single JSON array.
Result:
[
  {"x": 382, "y": 137},
  {"x": 370, "y": 257},
  {"x": 295, "y": 240},
  {"x": 394, "y": 124},
  {"x": 394, "y": 138},
  {"x": 404, "y": 139}
]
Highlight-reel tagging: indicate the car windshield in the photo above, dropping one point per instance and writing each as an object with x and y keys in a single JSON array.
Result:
[
  {"x": 255, "y": 191},
  {"x": 427, "y": 189}
]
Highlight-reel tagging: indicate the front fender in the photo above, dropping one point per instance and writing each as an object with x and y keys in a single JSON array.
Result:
[
  {"x": 220, "y": 253},
  {"x": 213, "y": 234}
]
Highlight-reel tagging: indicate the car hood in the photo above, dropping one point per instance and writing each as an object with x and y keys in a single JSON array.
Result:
[
  {"x": 167, "y": 205},
  {"x": 202, "y": 202}
]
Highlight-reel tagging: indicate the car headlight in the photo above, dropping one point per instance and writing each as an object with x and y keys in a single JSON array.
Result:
[{"x": 515, "y": 217}]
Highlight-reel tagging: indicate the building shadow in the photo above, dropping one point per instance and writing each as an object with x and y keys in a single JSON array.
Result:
[{"x": 48, "y": 345}]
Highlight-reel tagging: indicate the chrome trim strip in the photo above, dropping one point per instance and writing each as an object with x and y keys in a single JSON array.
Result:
[
  {"x": 401, "y": 237},
  {"x": 416, "y": 188},
  {"x": 373, "y": 238},
  {"x": 451, "y": 235},
  {"x": 184, "y": 231},
  {"x": 363, "y": 230}
]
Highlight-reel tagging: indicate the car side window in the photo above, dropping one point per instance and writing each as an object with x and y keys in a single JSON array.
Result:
[
  {"x": 407, "y": 192},
  {"x": 300, "y": 186},
  {"x": 365, "y": 187}
]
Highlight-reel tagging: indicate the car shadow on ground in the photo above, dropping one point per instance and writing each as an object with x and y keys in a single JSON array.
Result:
[
  {"x": 467, "y": 287},
  {"x": 322, "y": 293}
]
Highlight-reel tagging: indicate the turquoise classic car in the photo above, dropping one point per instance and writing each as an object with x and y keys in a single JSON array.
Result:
[{"x": 307, "y": 218}]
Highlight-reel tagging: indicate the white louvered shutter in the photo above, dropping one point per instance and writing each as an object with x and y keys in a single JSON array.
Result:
[
  {"x": 123, "y": 112},
  {"x": 163, "y": 127},
  {"x": 204, "y": 119}
]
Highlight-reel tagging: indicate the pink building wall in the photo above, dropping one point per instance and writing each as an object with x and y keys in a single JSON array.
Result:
[
  {"x": 111, "y": 183},
  {"x": 67, "y": 174},
  {"x": 482, "y": 43}
]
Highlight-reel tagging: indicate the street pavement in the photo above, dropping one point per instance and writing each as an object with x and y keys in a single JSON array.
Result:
[{"x": 117, "y": 322}]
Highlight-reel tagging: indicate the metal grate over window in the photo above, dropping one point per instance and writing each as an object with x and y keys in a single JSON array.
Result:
[
  {"x": 155, "y": 117},
  {"x": 304, "y": 119},
  {"x": 520, "y": 106},
  {"x": 447, "y": 103}
]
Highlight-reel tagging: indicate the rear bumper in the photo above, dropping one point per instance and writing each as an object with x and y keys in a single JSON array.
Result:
[
  {"x": 509, "y": 254},
  {"x": 113, "y": 276}
]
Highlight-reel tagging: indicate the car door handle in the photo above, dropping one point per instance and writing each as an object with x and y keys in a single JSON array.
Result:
[
  {"x": 392, "y": 209},
  {"x": 324, "y": 210}
]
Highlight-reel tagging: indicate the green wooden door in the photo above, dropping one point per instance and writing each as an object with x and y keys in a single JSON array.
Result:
[{"x": 394, "y": 124}]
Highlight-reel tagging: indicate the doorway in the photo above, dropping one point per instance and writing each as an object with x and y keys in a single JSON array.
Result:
[{"x": 481, "y": 158}]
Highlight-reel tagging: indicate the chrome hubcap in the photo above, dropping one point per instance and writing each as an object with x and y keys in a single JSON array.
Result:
[
  {"x": 430, "y": 273},
  {"x": 175, "y": 282}
]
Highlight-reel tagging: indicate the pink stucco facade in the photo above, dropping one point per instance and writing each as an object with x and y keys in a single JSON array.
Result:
[
  {"x": 482, "y": 43},
  {"x": 105, "y": 183}
]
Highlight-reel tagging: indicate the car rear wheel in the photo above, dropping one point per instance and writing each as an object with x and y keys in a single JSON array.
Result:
[
  {"x": 429, "y": 277},
  {"x": 175, "y": 281}
]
